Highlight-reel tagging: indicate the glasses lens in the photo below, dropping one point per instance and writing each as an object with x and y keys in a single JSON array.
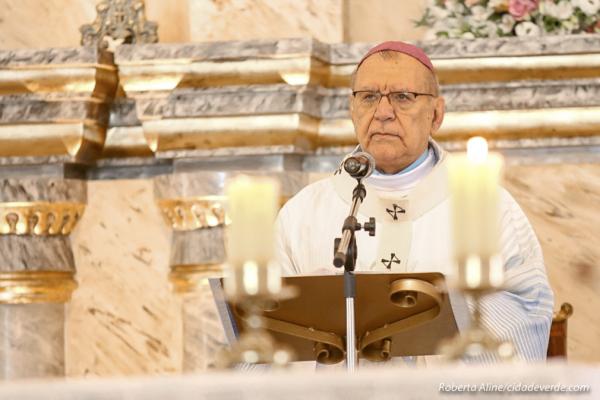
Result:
[
  {"x": 368, "y": 99},
  {"x": 402, "y": 99}
]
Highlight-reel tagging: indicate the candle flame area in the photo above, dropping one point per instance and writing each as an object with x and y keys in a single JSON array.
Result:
[{"x": 477, "y": 149}]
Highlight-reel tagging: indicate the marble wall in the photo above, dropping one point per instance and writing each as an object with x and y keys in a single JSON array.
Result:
[
  {"x": 380, "y": 20},
  {"x": 55, "y": 23},
  {"x": 561, "y": 201},
  {"x": 250, "y": 19},
  {"x": 124, "y": 318}
]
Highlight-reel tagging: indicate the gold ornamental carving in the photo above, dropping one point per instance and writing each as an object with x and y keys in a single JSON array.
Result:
[
  {"x": 190, "y": 213},
  {"x": 186, "y": 214},
  {"x": 26, "y": 287},
  {"x": 39, "y": 218},
  {"x": 185, "y": 278},
  {"x": 123, "y": 21}
]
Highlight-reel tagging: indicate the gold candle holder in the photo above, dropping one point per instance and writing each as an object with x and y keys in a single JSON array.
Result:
[
  {"x": 474, "y": 180},
  {"x": 476, "y": 283},
  {"x": 252, "y": 281}
]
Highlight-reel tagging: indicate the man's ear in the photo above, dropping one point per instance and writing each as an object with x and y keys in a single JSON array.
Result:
[{"x": 438, "y": 114}]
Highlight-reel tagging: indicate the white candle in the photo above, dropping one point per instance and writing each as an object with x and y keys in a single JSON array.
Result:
[
  {"x": 474, "y": 184},
  {"x": 252, "y": 207}
]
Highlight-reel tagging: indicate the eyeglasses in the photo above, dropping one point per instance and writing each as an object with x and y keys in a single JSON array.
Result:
[{"x": 368, "y": 99}]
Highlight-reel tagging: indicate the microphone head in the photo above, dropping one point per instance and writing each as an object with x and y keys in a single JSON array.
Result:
[{"x": 359, "y": 165}]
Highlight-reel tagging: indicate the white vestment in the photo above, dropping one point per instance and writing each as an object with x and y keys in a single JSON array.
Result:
[{"x": 415, "y": 227}]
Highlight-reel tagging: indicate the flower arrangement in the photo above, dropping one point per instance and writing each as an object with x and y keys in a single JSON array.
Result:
[{"x": 494, "y": 18}]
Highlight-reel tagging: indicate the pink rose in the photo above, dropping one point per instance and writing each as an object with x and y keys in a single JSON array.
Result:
[
  {"x": 470, "y": 3},
  {"x": 519, "y": 9}
]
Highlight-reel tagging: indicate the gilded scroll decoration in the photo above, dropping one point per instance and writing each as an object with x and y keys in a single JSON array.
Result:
[
  {"x": 39, "y": 218},
  {"x": 186, "y": 214}
]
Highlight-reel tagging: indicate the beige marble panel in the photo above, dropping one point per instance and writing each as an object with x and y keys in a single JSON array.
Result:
[
  {"x": 123, "y": 319},
  {"x": 562, "y": 203},
  {"x": 43, "y": 23},
  {"x": 381, "y": 20},
  {"x": 55, "y": 23},
  {"x": 212, "y": 20}
]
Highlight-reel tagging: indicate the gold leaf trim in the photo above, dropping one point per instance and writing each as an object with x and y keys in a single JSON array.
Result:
[
  {"x": 39, "y": 218},
  {"x": 186, "y": 214},
  {"x": 25, "y": 287},
  {"x": 187, "y": 277}
]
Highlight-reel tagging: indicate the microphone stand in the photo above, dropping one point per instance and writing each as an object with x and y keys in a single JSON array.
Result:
[{"x": 345, "y": 254}]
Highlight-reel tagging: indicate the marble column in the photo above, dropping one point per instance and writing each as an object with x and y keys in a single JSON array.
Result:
[
  {"x": 37, "y": 272},
  {"x": 193, "y": 205}
]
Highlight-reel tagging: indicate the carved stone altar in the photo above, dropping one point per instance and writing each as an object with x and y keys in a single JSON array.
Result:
[{"x": 189, "y": 116}]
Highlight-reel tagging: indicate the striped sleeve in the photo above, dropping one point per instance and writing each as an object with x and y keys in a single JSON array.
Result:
[{"x": 522, "y": 313}]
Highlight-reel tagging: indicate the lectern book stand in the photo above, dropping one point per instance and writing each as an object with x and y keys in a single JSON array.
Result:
[{"x": 405, "y": 314}]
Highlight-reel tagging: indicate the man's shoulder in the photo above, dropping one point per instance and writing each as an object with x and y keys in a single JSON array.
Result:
[
  {"x": 323, "y": 186},
  {"x": 312, "y": 192}
]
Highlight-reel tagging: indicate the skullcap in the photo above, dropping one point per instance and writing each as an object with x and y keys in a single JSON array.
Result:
[{"x": 401, "y": 47}]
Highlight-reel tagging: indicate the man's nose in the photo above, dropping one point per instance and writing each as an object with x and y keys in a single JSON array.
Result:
[{"x": 384, "y": 110}]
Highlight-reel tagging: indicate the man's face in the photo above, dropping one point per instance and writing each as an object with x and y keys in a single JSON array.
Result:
[{"x": 395, "y": 137}]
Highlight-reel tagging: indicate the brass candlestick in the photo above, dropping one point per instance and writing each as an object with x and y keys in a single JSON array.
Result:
[
  {"x": 249, "y": 290},
  {"x": 476, "y": 279}
]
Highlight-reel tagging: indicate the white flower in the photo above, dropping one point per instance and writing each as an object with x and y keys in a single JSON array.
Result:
[
  {"x": 439, "y": 13},
  {"x": 507, "y": 23},
  {"x": 481, "y": 13},
  {"x": 490, "y": 29},
  {"x": 467, "y": 35},
  {"x": 562, "y": 10},
  {"x": 589, "y": 7},
  {"x": 527, "y": 29},
  {"x": 456, "y": 7}
]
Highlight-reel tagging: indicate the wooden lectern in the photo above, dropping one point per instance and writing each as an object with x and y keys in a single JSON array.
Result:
[{"x": 402, "y": 314}]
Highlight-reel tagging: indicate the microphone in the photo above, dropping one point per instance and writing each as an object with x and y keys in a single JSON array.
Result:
[{"x": 359, "y": 165}]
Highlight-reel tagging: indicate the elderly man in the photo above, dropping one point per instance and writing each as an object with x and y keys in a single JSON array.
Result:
[{"x": 396, "y": 109}]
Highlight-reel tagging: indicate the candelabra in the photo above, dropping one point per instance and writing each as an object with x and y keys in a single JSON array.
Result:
[{"x": 252, "y": 281}]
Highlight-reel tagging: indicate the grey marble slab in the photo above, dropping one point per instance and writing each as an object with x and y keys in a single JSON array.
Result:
[
  {"x": 42, "y": 189},
  {"x": 35, "y": 160},
  {"x": 33, "y": 341},
  {"x": 351, "y": 53},
  {"x": 203, "y": 334},
  {"x": 267, "y": 163},
  {"x": 123, "y": 112},
  {"x": 53, "y": 56},
  {"x": 195, "y": 184},
  {"x": 200, "y": 246},
  {"x": 235, "y": 151},
  {"x": 28, "y": 171},
  {"x": 226, "y": 50},
  {"x": 35, "y": 253},
  {"x": 327, "y": 103},
  {"x": 235, "y": 100},
  {"x": 20, "y": 110},
  {"x": 522, "y": 95}
]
